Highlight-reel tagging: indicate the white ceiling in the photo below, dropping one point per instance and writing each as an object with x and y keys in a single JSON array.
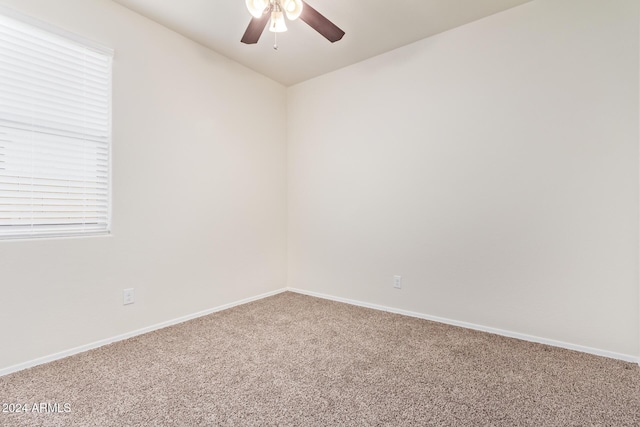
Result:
[{"x": 372, "y": 27}]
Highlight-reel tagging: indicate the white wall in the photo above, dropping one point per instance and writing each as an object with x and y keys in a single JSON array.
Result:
[
  {"x": 199, "y": 210},
  {"x": 494, "y": 166}
]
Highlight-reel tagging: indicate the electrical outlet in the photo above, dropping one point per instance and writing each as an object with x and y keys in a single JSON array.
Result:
[
  {"x": 397, "y": 282},
  {"x": 129, "y": 296}
]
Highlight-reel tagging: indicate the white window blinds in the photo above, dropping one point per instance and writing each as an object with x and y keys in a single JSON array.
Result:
[{"x": 55, "y": 133}]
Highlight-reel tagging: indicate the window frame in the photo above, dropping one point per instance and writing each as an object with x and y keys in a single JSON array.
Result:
[{"x": 109, "y": 53}]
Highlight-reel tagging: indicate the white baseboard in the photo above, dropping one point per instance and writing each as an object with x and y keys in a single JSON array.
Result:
[
  {"x": 524, "y": 337},
  {"x": 96, "y": 344},
  {"x": 100, "y": 343}
]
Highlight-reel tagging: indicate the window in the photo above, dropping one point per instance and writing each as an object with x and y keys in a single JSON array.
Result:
[{"x": 55, "y": 132}]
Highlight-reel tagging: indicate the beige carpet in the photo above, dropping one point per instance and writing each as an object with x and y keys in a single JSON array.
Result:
[{"x": 294, "y": 360}]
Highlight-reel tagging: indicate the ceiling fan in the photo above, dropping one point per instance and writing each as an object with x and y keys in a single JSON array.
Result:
[{"x": 263, "y": 10}]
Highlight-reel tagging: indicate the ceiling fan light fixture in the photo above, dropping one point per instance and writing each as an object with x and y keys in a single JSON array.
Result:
[
  {"x": 273, "y": 14},
  {"x": 293, "y": 8},
  {"x": 277, "y": 25},
  {"x": 257, "y": 7}
]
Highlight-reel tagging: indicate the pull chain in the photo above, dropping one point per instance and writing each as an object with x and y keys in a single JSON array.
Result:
[{"x": 275, "y": 41}]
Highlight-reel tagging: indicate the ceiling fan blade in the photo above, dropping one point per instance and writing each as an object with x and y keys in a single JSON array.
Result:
[
  {"x": 255, "y": 29},
  {"x": 321, "y": 24}
]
